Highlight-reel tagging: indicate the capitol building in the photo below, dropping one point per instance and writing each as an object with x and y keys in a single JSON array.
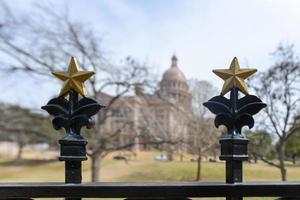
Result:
[{"x": 163, "y": 116}]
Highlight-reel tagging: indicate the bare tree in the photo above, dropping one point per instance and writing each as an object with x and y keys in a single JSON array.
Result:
[
  {"x": 16, "y": 126},
  {"x": 279, "y": 88},
  {"x": 43, "y": 41},
  {"x": 204, "y": 136}
]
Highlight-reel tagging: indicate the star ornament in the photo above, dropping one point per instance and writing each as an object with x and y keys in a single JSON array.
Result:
[
  {"x": 73, "y": 78},
  {"x": 234, "y": 77}
]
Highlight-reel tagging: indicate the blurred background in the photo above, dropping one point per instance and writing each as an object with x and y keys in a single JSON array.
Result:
[{"x": 153, "y": 62}]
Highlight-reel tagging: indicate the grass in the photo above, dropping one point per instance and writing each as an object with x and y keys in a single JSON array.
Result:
[{"x": 144, "y": 169}]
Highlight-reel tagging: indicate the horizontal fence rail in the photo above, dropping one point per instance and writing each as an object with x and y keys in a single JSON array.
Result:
[{"x": 180, "y": 190}]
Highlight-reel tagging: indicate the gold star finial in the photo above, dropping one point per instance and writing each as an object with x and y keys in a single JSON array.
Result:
[
  {"x": 73, "y": 78},
  {"x": 234, "y": 77}
]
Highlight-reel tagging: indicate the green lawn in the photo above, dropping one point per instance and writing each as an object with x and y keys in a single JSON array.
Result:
[{"x": 143, "y": 169}]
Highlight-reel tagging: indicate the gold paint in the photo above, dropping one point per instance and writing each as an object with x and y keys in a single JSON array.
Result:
[
  {"x": 234, "y": 77},
  {"x": 73, "y": 78}
]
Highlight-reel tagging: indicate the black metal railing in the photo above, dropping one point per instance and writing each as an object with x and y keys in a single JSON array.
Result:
[
  {"x": 76, "y": 112},
  {"x": 180, "y": 190}
]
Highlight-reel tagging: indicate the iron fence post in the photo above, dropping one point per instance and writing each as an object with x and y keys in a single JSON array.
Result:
[
  {"x": 234, "y": 113},
  {"x": 72, "y": 114}
]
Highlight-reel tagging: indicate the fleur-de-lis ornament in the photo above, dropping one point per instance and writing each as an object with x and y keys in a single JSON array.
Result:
[
  {"x": 74, "y": 113},
  {"x": 235, "y": 112}
]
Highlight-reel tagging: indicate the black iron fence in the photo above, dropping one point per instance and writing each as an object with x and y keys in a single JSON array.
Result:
[
  {"x": 74, "y": 113},
  {"x": 148, "y": 191}
]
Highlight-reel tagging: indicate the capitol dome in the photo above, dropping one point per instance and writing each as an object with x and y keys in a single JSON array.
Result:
[
  {"x": 174, "y": 86},
  {"x": 174, "y": 73}
]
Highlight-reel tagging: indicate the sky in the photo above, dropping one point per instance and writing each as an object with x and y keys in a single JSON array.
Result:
[{"x": 203, "y": 34}]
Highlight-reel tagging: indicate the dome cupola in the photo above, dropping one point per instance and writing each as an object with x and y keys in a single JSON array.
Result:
[
  {"x": 173, "y": 85},
  {"x": 174, "y": 73}
]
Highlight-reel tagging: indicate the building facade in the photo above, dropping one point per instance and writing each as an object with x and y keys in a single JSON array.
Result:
[{"x": 159, "y": 118}]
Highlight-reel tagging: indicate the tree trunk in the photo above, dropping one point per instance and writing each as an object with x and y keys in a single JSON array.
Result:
[
  {"x": 20, "y": 151},
  {"x": 294, "y": 158},
  {"x": 198, "y": 177},
  {"x": 255, "y": 159},
  {"x": 170, "y": 156},
  {"x": 181, "y": 157},
  {"x": 170, "y": 153},
  {"x": 281, "y": 161},
  {"x": 95, "y": 167}
]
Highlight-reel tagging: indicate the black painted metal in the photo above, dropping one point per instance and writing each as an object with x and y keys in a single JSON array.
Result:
[
  {"x": 234, "y": 113},
  {"x": 72, "y": 115},
  {"x": 158, "y": 198},
  {"x": 150, "y": 190},
  {"x": 234, "y": 152}
]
